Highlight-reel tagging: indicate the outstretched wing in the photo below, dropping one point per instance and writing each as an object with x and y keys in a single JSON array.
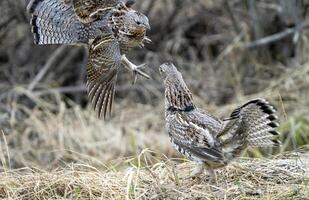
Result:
[
  {"x": 194, "y": 134},
  {"x": 68, "y": 21},
  {"x": 104, "y": 61},
  {"x": 88, "y": 10}
]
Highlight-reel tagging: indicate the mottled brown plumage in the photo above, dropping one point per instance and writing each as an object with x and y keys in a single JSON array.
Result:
[
  {"x": 110, "y": 28},
  {"x": 207, "y": 140},
  {"x": 102, "y": 69},
  {"x": 89, "y": 10}
]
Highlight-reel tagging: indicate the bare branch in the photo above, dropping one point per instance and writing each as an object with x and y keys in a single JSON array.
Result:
[
  {"x": 54, "y": 57},
  {"x": 232, "y": 16},
  {"x": 276, "y": 37}
]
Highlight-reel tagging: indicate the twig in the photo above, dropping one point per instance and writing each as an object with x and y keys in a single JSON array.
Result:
[
  {"x": 253, "y": 12},
  {"x": 149, "y": 7},
  {"x": 7, "y": 152},
  {"x": 54, "y": 57},
  {"x": 276, "y": 37},
  {"x": 232, "y": 16}
]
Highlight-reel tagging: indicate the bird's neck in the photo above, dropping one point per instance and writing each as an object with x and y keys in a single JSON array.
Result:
[{"x": 178, "y": 98}]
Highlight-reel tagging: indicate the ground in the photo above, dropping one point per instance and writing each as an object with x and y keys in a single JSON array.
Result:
[
  {"x": 282, "y": 177},
  {"x": 52, "y": 145}
]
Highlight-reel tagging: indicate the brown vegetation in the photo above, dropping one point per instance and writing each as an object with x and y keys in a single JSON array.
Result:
[
  {"x": 53, "y": 146},
  {"x": 284, "y": 177}
]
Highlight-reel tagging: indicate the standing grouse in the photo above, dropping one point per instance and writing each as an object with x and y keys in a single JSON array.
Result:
[{"x": 210, "y": 142}]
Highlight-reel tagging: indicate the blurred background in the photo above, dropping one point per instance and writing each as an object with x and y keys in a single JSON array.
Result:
[{"x": 229, "y": 51}]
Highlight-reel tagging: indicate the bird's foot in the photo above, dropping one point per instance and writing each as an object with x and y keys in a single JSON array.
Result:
[
  {"x": 196, "y": 172},
  {"x": 136, "y": 70},
  {"x": 212, "y": 176},
  {"x": 200, "y": 169}
]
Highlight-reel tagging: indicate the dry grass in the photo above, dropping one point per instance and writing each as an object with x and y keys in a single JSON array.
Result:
[
  {"x": 284, "y": 177},
  {"x": 54, "y": 147},
  {"x": 48, "y": 139},
  {"x": 60, "y": 152}
]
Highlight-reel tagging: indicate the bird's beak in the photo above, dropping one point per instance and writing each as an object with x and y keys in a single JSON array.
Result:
[{"x": 147, "y": 26}]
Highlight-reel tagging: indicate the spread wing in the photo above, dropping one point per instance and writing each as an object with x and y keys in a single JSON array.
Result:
[
  {"x": 103, "y": 64},
  {"x": 88, "y": 10},
  {"x": 68, "y": 21},
  {"x": 195, "y": 132}
]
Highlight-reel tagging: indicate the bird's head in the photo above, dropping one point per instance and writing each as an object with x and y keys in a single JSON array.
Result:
[
  {"x": 177, "y": 94},
  {"x": 136, "y": 25},
  {"x": 130, "y": 25},
  {"x": 169, "y": 73},
  {"x": 138, "y": 20}
]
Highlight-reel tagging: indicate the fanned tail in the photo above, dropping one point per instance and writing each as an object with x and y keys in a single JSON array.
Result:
[
  {"x": 54, "y": 22},
  {"x": 264, "y": 126},
  {"x": 252, "y": 124}
]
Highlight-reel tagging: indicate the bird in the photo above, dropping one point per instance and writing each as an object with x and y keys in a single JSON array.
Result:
[
  {"x": 211, "y": 142},
  {"x": 107, "y": 28}
]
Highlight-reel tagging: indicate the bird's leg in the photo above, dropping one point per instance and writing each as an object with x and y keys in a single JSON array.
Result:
[
  {"x": 134, "y": 68},
  {"x": 212, "y": 174},
  {"x": 199, "y": 169}
]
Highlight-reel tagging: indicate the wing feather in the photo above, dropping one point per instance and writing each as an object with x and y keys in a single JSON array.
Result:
[
  {"x": 191, "y": 133},
  {"x": 102, "y": 69},
  {"x": 88, "y": 10},
  {"x": 56, "y": 22}
]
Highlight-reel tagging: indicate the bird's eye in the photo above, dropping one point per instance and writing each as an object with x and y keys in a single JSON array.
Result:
[{"x": 138, "y": 23}]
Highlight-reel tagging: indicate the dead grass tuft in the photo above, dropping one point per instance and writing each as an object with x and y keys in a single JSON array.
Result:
[{"x": 278, "y": 178}]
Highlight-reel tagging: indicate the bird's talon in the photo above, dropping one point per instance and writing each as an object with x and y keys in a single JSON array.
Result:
[
  {"x": 147, "y": 40},
  {"x": 134, "y": 78},
  {"x": 136, "y": 70},
  {"x": 142, "y": 66}
]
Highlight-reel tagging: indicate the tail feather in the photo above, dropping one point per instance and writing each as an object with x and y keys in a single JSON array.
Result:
[
  {"x": 261, "y": 135},
  {"x": 54, "y": 22},
  {"x": 252, "y": 124},
  {"x": 46, "y": 33}
]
